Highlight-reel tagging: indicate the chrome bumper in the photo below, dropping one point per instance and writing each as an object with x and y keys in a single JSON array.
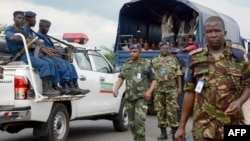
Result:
[{"x": 15, "y": 114}]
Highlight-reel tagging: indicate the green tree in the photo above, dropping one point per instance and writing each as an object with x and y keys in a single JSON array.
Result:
[
  {"x": 2, "y": 27},
  {"x": 109, "y": 54}
]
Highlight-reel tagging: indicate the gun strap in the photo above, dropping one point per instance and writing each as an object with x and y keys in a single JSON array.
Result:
[{"x": 20, "y": 29}]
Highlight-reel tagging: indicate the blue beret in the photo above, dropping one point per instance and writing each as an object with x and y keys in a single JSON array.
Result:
[
  {"x": 29, "y": 14},
  {"x": 135, "y": 46},
  {"x": 44, "y": 21},
  {"x": 15, "y": 13},
  {"x": 174, "y": 50},
  {"x": 164, "y": 44}
]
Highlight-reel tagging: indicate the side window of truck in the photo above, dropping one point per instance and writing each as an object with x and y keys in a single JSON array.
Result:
[
  {"x": 100, "y": 63},
  {"x": 82, "y": 61}
]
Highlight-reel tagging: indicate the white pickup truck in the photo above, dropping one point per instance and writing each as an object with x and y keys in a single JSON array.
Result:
[{"x": 22, "y": 105}]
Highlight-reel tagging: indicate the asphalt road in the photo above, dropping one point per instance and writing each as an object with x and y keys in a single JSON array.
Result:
[{"x": 101, "y": 130}]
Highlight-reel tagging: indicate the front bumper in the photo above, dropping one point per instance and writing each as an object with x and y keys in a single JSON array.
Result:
[{"x": 15, "y": 114}]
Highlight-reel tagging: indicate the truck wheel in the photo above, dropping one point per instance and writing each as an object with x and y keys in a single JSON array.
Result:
[
  {"x": 58, "y": 124},
  {"x": 121, "y": 120}
]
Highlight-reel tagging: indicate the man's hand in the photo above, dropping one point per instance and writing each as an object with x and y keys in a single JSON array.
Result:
[
  {"x": 233, "y": 108},
  {"x": 52, "y": 50},
  {"x": 180, "y": 134},
  {"x": 46, "y": 51},
  {"x": 147, "y": 96},
  {"x": 115, "y": 93}
]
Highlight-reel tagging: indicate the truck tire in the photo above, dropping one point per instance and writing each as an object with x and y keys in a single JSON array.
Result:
[
  {"x": 120, "y": 122},
  {"x": 58, "y": 123}
]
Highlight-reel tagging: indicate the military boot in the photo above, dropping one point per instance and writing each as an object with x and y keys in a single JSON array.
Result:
[
  {"x": 163, "y": 135},
  {"x": 72, "y": 88},
  {"x": 47, "y": 88},
  {"x": 62, "y": 90},
  {"x": 67, "y": 88},
  {"x": 83, "y": 91}
]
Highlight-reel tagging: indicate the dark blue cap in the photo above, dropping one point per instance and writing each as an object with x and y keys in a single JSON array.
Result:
[
  {"x": 29, "y": 14},
  {"x": 15, "y": 13},
  {"x": 174, "y": 50},
  {"x": 135, "y": 46},
  {"x": 44, "y": 21},
  {"x": 163, "y": 44}
]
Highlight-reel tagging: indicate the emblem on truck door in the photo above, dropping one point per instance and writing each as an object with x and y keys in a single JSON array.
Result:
[{"x": 106, "y": 87}]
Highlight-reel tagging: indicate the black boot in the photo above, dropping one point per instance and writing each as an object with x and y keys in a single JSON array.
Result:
[
  {"x": 73, "y": 89},
  {"x": 47, "y": 88},
  {"x": 62, "y": 90},
  {"x": 163, "y": 135},
  {"x": 66, "y": 87},
  {"x": 83, "y": 91},
  {"x": 174, "y": 129}
]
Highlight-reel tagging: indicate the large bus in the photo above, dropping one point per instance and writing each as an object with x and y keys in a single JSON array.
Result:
[{"x": 136, "y": 20}]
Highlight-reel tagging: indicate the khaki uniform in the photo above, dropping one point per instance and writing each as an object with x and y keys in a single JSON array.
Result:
[{"x": 224, "y": 80}]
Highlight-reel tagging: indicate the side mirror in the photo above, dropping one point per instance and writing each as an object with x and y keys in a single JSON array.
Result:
[{"x": 118, "y": 68}]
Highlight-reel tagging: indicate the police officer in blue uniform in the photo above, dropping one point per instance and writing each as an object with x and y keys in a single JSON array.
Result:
[
  {"x": 15, "y": 44},
  {"x": 68, "y": 76}
]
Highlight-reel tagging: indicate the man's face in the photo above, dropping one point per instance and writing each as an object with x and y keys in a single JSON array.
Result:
[
  {"x": 164, "y": 50},
  {"x": 19, "y": 20},
  {"x": 44, "y": 28},
  {"x": 214, "y": 34},
  {"x": 31, "y": 21},
  {"x": 135, "y": 54}
]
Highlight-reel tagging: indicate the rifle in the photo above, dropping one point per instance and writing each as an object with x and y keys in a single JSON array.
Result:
[
  {"x": 29, "y": 45},
  {"x": 67, "y": 55}
]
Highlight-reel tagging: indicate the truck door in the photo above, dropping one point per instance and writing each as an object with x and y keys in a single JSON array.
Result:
[
  {"x": 87, "y": 80},
  {"x": 106, "y": 80}
]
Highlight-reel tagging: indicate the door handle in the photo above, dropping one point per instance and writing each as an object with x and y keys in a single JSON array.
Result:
[
  {"x": 101, "y": 78},
  {"x": 82, "y": 78}
]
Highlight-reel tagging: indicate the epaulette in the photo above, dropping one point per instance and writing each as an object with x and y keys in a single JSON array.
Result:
[
  {"x": 147, "y": 60},
  {"x": 129, "y": 59},
  {"x": 195, "y": 51},
  {"x": 237, "y": 46},
  {"x": 239, "y": 52}
]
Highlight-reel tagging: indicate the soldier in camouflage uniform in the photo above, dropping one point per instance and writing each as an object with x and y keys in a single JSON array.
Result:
[
  {"x": 140, "y": 83},
  {"x": 167, "y": 71},
  {"x": 217, "y": 85}
]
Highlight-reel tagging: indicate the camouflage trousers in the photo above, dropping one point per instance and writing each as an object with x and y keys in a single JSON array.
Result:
[
  {"x": 137, "y": 111},
  {"x": 165, "y": 104}
]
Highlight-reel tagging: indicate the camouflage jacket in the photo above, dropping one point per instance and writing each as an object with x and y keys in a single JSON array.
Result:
[
  {"x": 138, "y": 78},
  {"x": 224, "y": 80},
  {"x": 166, "y": 71}
]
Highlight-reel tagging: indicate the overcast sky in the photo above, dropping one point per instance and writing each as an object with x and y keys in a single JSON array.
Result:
[{"x": 98, "y": 18}]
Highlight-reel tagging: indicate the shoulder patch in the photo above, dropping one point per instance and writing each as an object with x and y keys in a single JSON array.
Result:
[
  {"x": 237, "y": 46},
  {"x": 195, "y": 51}
]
